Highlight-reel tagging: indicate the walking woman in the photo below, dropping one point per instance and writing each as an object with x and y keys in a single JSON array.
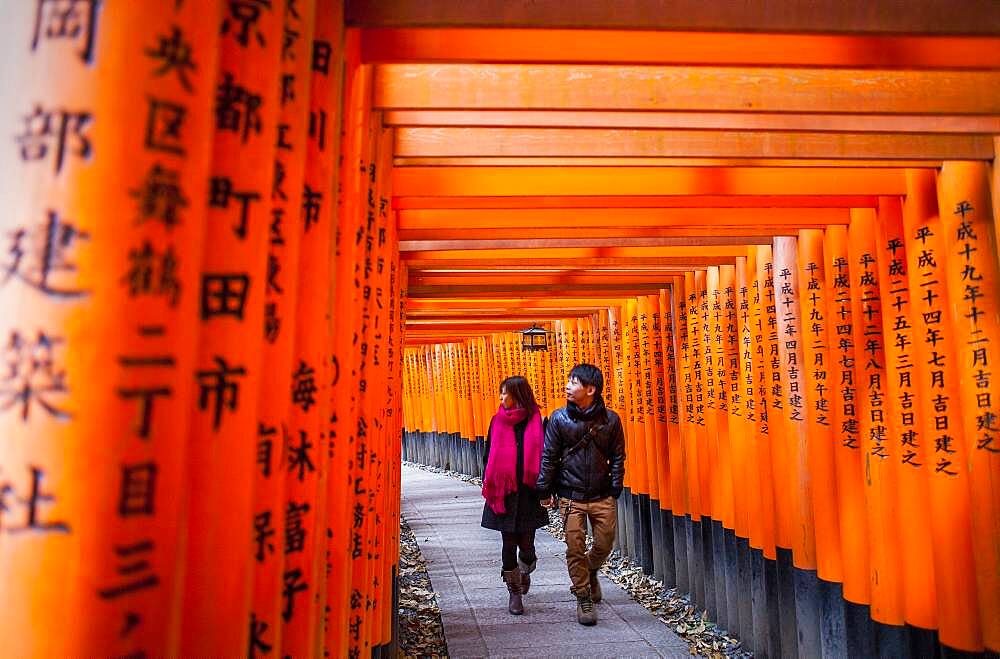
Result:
[{"x": 511, "y": 460}]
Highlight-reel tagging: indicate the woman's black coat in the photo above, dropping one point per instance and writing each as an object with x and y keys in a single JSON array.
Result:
[{"x": 524, "y": 513}]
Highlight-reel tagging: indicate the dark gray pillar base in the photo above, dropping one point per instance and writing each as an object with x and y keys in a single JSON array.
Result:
[
  {"x": 786, "y": 603},
  {"x": 645, "y": 542},
  {"x": 807, "y": 612},
  {"x": 708, "y": 559},
  {"x": 679, "y": 525},
  {"x": 696, "y": 564},
  {"x": 667, "y": 543},
  {"x": 833, "y": 626},
  {"x": 656, "y": 538}
]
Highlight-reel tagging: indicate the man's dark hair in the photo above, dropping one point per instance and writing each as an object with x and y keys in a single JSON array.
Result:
[
  {"x": 518, "y": 388},
  {"x": 589, "y": 376}
]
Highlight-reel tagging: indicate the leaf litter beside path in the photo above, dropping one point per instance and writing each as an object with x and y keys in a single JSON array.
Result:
[{"x": 421, "y": 633}]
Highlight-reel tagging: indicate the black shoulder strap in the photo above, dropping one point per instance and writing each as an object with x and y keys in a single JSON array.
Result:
[{"x": 587, "y": 437}]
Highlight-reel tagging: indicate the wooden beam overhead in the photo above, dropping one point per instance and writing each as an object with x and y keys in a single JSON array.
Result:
[
  {"x": 980, "y": 17},
  {"x": 599, "y": 161},
  {"x": 624, "y": 143},
  {"x": 557, "y": 181},
  {"x": 509, "y": 313},
  {"x": 736, "y": 121},
  {"x": 535, "y": 290},
  {"x": 708, "y": 89},
  {"x": 420, "y": 280},
  {"x": 683, "y": 254},
  {"x": 746, "y": 234},
  {"x": 579, "y": 218},
  {"x": 513, "y": 45},
  {"x": 410, "y": 246},
  {"x": 549, "y": 303},
  {"x": 779, "y": 200},
  {"x": 520, "y": 261}
]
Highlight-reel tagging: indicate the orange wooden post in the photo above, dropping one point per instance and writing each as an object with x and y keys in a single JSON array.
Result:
[
  {"x": 627, "y": 409},
  {"x": 355, "y": 149},
  {"x": 848, "y": 454},
  {"x": 104, "y": 225},
  {"x": 305, "y": 509},
  {"x": 227, "y": 371},
  {"x": 660, "y": 400},
  {"x": 378, "y": 397},
  {"x": 817, "y": 368},
  {"x": 698, "y": 308},
  {"x": 710, "y": 469},
  {"x": 937, "y": 379},
  {"x": 727, "y": 386},
  {"x": 280, "y": 299},
  {"x": 736, "y": 436},
  {"x": 603, "y": 334},
  {"x": 635, "y": 431},
  {"x": 357, "y": 184},
  {"x": 690, "y": 359},
  {"x": 743, "y": 409},
  {"x": 879, "y": 456},
  {"x": 644, "y": 394},
  {"x": 973, "y": 289},
  {"x": 793, "y": 384},
  {"x": 903, "y": 418},
  {"x": 616, "y": 328},
  {"x": 674, "y": 499},
  {"x": 770, "y": 430},
  {"x": 679, "y": 466}
]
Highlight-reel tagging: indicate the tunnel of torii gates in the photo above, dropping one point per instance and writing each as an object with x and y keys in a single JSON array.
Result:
[{"x": 254, "y": 249}]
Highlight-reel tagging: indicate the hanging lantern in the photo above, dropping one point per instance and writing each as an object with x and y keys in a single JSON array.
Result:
[{"x": 534, "y": 338}]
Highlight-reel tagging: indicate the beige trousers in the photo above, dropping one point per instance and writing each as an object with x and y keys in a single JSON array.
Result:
[{"x": 603, "y": 515}]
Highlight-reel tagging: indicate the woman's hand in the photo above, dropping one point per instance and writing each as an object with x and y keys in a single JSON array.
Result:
[{"x": 547, "y": 502}]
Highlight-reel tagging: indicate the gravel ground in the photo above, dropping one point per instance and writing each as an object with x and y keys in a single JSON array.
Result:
[{"x": 420, "y": 633}]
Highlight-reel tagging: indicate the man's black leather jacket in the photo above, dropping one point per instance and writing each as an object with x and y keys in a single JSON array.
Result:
[{"x": 584, "y": 454}]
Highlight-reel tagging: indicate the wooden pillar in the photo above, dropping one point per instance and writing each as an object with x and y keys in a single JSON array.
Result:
[
  {"x": 815, "y": 333},
  {"x": 105, "y": 198},
  {"x": 221, "y": 460},
  {"x": 973, "y": 278},
  {"x": 879, "y": 455},
  {"x": 848, "y": 457},
  {"x": 937, "y": 381}
]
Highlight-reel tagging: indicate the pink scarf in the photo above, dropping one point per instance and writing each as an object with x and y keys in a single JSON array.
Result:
[{"x": 501, "y": 468}]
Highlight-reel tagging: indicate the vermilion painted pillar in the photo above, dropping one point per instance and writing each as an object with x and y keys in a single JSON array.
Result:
[
  {"x": 817, "y": 330},
  {"x": 879, "y": 456},
  {"x": 973, "y": 279},
  {"x": 222, "y": 442},
  {"x": 788, "y": 293},
  {"x": 848, "y": 453},
  {"x": 937, "y": 383},
  {"x": 903, "y": 418},
  {"x": 109, "y": 124}
]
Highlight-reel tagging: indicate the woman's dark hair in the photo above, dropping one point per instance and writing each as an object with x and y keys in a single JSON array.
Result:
[
  {"x": 518, "y": 388},
  {"x": 589, "y": 376}
]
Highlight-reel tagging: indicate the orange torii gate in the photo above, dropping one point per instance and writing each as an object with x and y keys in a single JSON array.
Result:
[{"x": 252, "y": 243}]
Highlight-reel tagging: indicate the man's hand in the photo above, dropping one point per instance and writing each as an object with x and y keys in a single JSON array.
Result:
[{"x": 547, "y": 502}]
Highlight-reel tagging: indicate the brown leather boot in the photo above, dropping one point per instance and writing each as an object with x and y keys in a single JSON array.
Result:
[
  {"x": 586, "y": 612},
  {"x": 526, "y": 570},
  {"x": 595, "y": 587},
  {"x": 513, "y": 580}
]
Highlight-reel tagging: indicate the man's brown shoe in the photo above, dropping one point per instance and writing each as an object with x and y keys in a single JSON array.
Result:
[
  {"x": 586, "y": 612},
  {"x": 595, "y": 587}
]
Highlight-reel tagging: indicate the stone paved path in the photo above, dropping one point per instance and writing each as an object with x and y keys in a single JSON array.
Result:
[{"x": 463, "y": 562}]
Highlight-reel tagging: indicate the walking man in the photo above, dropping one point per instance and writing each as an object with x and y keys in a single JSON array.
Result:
[{"x": 583, "y": 462}]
